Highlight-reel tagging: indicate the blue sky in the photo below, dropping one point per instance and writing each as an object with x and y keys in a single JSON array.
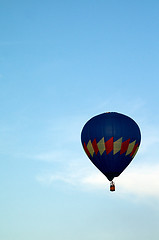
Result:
[{"x": 62, "y": 62}]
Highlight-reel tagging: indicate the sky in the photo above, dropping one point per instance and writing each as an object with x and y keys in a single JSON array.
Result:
[{"x": 61, "y": 63}]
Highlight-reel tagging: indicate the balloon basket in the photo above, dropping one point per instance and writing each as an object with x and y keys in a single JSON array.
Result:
[{"x": 112, "y": 186}]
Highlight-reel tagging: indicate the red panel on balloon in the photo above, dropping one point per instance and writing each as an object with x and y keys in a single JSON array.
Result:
[
  {"x": 124, "y": 146},
  {"x": 109, "y": 145},
  {"x": 95, "y": 147}
]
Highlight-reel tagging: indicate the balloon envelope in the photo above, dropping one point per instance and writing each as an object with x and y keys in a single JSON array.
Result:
[{"x": 111, "y": 141}]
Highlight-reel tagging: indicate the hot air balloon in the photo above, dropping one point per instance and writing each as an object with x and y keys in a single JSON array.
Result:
[{"x": 111, "y": 141}]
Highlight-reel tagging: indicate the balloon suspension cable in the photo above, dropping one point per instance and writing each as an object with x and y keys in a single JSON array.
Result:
[{"x": 112, "y": 186}]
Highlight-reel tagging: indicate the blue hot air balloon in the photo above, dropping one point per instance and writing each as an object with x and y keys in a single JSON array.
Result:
[{"x": 111, "y": 141}]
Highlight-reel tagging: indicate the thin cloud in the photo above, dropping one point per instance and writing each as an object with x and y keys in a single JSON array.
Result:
[
  {"x": 150, "y": 139},
  {"x": 140, "y": 180},
  {"x": 131, "y": 107},
  {"x": 49, "y": 156}
]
